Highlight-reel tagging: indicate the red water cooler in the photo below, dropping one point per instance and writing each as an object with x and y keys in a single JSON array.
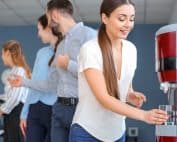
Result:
[{"x": 166, "y": 68}]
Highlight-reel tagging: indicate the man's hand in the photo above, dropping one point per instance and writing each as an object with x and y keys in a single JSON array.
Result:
[{"x": 63, "y": 61}]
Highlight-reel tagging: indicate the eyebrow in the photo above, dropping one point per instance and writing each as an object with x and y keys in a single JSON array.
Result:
[{"x": 125, "y": 15}]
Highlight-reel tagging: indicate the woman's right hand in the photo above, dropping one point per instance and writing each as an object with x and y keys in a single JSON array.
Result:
[
  {"x": 23, "y": 125},
  {"x": 16, "y": 81},
  {"x": 155, "y": 116}
]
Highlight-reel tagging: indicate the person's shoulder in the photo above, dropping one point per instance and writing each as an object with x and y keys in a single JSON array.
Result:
[
  {"x": 93, "y": 43},
  {"x": 88, "y": 28},
  {"x": 129, "y": 45},
  {"x": 43, "y": 50},
  {"x": 91, "y": 46}
]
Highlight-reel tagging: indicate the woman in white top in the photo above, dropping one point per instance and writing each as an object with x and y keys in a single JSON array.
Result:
[
  {"x": 13, "y": 57},
  {"x": 4, "y": 78},
  {"x": 106, "y": 69}
]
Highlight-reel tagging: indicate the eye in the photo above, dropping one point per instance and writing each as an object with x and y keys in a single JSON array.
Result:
[
  {"x": 132, "y": 20},
  {"x": 121, "y": 19}
]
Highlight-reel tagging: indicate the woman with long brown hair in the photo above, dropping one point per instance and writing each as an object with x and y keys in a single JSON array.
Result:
[
  {"x": 106, "y": 69},
  {"x": 12, "y": 56}
]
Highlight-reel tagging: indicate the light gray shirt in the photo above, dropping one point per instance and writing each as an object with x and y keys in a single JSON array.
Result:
[{"x": 61, "y": 81}]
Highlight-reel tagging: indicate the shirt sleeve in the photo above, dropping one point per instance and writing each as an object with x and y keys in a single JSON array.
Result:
[
  {"x": 36, "y": 63},
  {"x": 133, "y": 56},
  {"x": 48, "y": 85},
  {"x": 3, "y": 97},
  {"x": 73, "y": 64},
  {"x": 25, "y": 110},
  {"x": 72, "y": 67},
  {"x": 90, "y": 57},
  {"x": 14, "y": 95}
]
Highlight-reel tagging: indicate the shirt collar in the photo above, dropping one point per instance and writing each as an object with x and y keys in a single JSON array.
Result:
[{"x": 51, "y": 48}]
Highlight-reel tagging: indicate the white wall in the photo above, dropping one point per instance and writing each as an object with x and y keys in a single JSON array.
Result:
[{"x": 173, "y": 18}]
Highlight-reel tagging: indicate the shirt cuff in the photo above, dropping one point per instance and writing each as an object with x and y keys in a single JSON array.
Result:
[
  {"x": 72, "y": 66},
  {"x": 25, "y": 82},
  {"x": 24, "y": 112}
]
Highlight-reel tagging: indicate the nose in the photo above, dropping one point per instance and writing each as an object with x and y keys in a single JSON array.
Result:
[{"x": 128, "y": 24}]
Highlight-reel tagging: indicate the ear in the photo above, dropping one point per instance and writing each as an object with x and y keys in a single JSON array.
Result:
[
  {"x": 104, "y": 18},
  {"x": 8, "y": 53},
  {"x": 55, "y": 15}
]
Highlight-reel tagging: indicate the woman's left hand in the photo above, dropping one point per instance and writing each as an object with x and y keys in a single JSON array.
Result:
[
  {"x": 1, "y": 113},
  {"x": 136, "y": 98}
]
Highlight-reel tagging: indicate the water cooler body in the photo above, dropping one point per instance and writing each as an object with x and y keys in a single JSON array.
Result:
[{"x": 166, "y": 68}]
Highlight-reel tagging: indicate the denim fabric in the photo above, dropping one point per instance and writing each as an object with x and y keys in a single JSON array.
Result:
[
  {"x": 78, "y": 134},
  {"x": 62, "y": 116}
]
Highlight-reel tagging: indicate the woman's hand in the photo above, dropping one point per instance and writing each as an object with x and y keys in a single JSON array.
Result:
[
  {"x": 155, "y": 116},
  {"x": 16, "y": 81},
  {"x": 23, "y": 125},
  {"x": 1, "y": 113},
  {"x": 136, "y": 98}
]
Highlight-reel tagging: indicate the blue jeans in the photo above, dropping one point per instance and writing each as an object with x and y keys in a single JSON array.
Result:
[
  {"x": 78, "y": 134},
  {"x": 62, "y": 116},
  {"x": 39, "y": 123}
]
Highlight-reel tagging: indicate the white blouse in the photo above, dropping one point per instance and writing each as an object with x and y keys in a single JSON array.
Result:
[
  {"x": 14, "y": 95},
  {"x": 100, "y": 122}
]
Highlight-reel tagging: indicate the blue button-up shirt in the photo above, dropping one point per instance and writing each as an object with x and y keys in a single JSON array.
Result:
[
  {"x": 40, "y": 71},
  {"x": 64, "y": 82}
]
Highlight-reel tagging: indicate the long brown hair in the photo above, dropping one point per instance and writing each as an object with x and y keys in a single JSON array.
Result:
[
  {"x": 44, "y": 23},
  {"x": 107, "y": 7},
  {"x": 18, "y": 59}
]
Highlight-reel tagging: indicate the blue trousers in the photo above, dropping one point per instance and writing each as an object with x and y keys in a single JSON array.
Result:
[
  {"x": 78, "y": 134},
  {"x": 62, "y": 116},
  {"x": 39, "y": 123}
]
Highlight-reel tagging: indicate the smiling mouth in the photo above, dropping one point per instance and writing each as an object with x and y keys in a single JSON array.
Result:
[{"x": 125, "y": 32}]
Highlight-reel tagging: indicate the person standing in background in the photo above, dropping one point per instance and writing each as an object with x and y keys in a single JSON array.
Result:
[
  {"x": 64, "y": 77},
  {"x": 4, "y": 78},
  {"x": 37, "y": 111},
  {"x": 12, "y": 56},
  {"x": 106, "y": 69}
]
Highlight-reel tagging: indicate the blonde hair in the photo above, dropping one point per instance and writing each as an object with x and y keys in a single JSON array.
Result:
[{"x": 18, "y": 59}]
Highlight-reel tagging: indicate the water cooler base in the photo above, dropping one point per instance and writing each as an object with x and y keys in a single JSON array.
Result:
[{"x": 166, "y": 139}]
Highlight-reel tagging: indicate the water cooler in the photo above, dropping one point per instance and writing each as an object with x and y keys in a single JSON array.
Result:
[{"x": 166, "y": 68}]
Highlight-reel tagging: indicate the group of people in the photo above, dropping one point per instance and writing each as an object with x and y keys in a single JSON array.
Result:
[{"x": 80, "y": 84}]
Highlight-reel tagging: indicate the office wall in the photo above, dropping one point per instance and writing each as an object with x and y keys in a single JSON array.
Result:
[
  {"x": 143, "y": 36},
  {"x": 145, "y": 78},
  {"x": 173, "y": 15}
]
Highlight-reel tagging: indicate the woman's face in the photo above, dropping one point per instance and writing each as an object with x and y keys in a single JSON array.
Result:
[
  {"x": 120, "y": 22},
  {"x": 6, "y": 58},
  {"x": 44, "y": 34}
]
